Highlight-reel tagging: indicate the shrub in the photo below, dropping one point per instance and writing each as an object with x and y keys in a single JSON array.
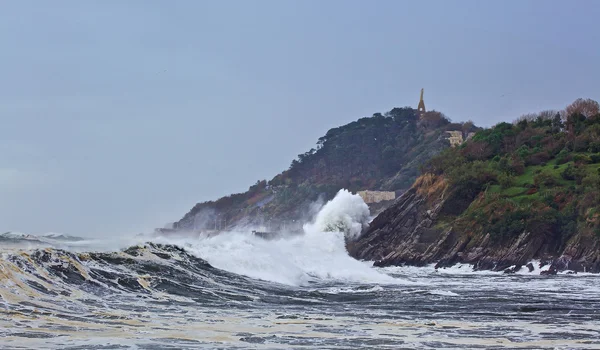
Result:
[
  {"x": 581, "y": 144},
  {"x": 517, "y": 166},
  {"x": 563, "y": 157},
  {"x": 503, "y": 165},
  {"x": 591, "y": 180},
  {"x": 544, "y": 178},
  {"x": 538, "y": 158},
  {"x": 594, "y": 147},
  {"x": 523, "y": 152},
  {"x": 569, "y": 173},
  {"x": 582, "y": 158},
  {"x": 573, "y": 173},
  {"x": 511, "y": 224},
  {"x": 505, "y": 180}
]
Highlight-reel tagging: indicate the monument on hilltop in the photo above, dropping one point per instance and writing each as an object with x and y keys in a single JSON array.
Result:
[{"x": 421, "y": 107}]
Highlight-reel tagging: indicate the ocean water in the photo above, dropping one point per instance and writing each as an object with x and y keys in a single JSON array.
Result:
[{"x": 238, "y": 291}]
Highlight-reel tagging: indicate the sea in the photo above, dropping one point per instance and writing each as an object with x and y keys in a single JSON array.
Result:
[{"x": 236, "y": 290}]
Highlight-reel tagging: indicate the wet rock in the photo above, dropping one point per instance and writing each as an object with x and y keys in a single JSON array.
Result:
[
  {"x": 576, "y": 266},
  {"x": 409, "y": 232},
  {"x": 513, "y": 269},
  {"x": 550, "y": 271},
  {"x": 530, "y": 267}
]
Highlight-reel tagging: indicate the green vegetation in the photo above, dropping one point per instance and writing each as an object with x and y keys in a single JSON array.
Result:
[
  {"x": 368, "y": 152},
  {"x": 540, "y": 174}
]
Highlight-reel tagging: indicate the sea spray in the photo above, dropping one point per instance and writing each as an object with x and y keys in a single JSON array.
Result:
[
  {"x": 318, "y": 254},
  {"x": 346, "y": 213},
  {"x": 295, "y": 260}
]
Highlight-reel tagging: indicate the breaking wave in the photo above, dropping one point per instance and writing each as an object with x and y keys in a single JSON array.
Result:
[
  {"x": 345, "y": 213},
  {"x": 297, "y": 260},
  {"x": 319, "y": 253},
  {"x": 218, "y": 267}
]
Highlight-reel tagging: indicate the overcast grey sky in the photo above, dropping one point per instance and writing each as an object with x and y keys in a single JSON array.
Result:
[{"x": 118, "y": 116}]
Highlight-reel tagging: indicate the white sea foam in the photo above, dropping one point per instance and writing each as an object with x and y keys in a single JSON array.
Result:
[
  {"x": 445, "y": 293},
  {"x": 345, "y": 213},
  {"x": 319, "y": 253},
  {"x": 352, "y": 290},
  {"x": 293, "y": 261}
]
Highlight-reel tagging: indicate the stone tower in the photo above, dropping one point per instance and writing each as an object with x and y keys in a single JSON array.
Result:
[{"x": 421, "y": 107}]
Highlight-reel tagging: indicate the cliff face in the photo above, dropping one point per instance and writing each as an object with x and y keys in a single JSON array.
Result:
[{"x": 421, "y": 228}]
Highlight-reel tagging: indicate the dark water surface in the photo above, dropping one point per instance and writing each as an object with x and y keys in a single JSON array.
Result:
[{"x": 163, "y": 297}]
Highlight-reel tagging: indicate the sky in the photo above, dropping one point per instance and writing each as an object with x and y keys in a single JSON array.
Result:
[{"x": 118, "y": 116}]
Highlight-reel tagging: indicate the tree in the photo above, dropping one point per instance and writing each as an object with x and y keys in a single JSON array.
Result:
[
  {"x": 469, "y": 126},
  {"x": 575, "y": 123},
  {"x": 557, "y": 124},
  {"x": 548, "y": 114},
  {"x": 586, "y": 107},
  {"x": 537, "y": 119},
  {"x": 529, "y": 117},
  {"x": 433, "y": 119}
]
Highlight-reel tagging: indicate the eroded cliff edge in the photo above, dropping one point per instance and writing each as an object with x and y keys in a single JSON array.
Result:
[{"x": 421, "y": 228}]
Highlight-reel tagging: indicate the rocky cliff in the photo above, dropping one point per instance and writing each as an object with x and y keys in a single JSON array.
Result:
[{"x": 420, "y": 228}]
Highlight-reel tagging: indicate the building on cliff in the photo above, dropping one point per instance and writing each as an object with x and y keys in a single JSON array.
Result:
[
  {"x": 456, "y": 137},
  {"x": 376, "y": 196}
]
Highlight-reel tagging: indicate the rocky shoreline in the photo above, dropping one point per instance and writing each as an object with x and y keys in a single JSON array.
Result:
[{"x": 415, "y": 230}]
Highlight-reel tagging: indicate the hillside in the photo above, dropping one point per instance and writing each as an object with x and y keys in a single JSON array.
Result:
[
  {"x": 512, "y": 193},
  {"x": 381, "y": 152}
]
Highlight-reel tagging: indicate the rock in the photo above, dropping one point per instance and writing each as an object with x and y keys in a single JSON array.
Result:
[
  {"x": 576, "y": 266},
  {"x": 550, "y": 271},
  {"x": 595, "y": 268},
  {"x": 530, "y": 267},
  {"x": 513, "y": 269}
]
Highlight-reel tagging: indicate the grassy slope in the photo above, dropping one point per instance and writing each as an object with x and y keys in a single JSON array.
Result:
[{"x": 535, "y": 176}]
